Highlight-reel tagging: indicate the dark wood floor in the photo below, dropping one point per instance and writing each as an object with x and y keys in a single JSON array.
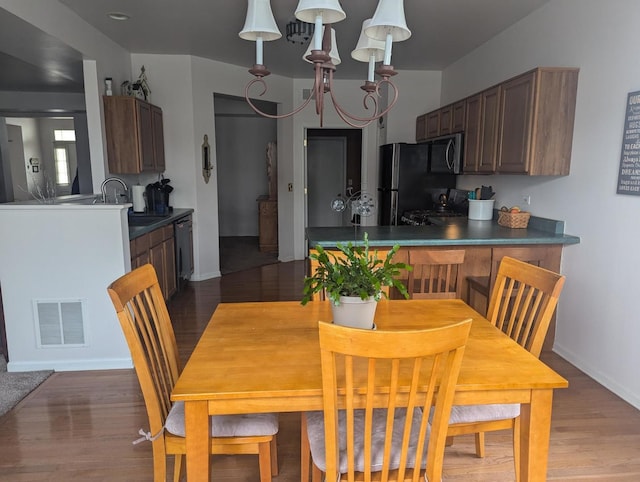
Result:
[{"x": 78, "y": 426}]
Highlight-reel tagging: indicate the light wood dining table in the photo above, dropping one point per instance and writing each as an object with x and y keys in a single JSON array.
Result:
[{"x": 265, "y": 357}]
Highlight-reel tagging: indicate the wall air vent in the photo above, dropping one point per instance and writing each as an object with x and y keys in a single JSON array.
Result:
[{"x": 60, "y": 322}]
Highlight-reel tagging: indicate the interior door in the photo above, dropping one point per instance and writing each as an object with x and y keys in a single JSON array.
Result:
[
  {"x": 326, "y": 178},
  {"x": 18, "y": 164}
]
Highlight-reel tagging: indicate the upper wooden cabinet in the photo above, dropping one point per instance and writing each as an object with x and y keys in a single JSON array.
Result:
[
  {"x": 446, "y": 120},
  {"x": 537, "y": 111},
  {"x": 421, "y": 128},
  {"x": 481, "y": 132},
  {"x": 135, "y": 139},
  {"x": 521, "y": 126}
]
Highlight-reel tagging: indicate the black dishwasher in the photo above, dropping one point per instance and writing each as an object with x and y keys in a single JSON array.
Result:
[{"x": 183, "y": 229}]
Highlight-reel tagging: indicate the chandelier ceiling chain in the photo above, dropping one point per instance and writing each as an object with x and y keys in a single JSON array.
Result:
[{"x": 387, "y": 25}]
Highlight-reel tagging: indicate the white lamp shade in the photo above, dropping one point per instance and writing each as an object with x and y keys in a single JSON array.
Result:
[
  {"x": 335, "y": 56},
  {"x": 260, "y": 22},
  {"x": 368, "y": 46},
  {"x": 331, "y": 11},
  {"x": 389, "y": 19}
]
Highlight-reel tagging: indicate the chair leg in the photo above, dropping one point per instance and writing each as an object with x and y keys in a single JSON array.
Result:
[
  {"x": 480, "y": 444},
  {"x": 273, "y": 449},
  {"x": 305, "y": 451},
  {"x": 264, "y": 461},
  {"x": 516, "y": 447},
  {"x": 316, "y": 473},
  {"x": 177, "y": 467}
]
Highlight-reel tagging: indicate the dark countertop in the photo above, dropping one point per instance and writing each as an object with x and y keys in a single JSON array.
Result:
[
  {"x": 174, "y": 215},
  {"x": 448, "y": 232}
]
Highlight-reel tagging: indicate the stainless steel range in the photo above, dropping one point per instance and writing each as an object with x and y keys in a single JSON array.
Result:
[{"x": 421, "y": 217}]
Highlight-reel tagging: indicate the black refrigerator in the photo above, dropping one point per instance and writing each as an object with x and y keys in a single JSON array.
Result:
[{"x": 404, "y": 182}]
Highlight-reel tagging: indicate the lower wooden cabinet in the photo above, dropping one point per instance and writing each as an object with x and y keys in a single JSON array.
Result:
[
  {"x": 268, "y": 224},
  {"x": 157, "y": 248}
]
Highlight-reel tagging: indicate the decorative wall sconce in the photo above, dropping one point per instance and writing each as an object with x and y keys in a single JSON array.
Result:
[{"x": 207, "y": 167}]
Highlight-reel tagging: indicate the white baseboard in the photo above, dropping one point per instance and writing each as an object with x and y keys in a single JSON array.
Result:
[
  {"x": 600, "y": 377},
  {"x": 70, "y": 365}
]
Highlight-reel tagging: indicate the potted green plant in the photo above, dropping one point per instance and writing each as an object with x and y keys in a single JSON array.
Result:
[{"x": 353, "y": 280}]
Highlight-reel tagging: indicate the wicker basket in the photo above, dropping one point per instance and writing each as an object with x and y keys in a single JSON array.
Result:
[{"x": 513, "y": 220}]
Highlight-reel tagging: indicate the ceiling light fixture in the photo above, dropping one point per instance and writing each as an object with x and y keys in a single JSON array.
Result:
[
  {"x": 119, "y": 16},
  {"x": 299, "y": 32},
  {"x": 387, "y": 25}
]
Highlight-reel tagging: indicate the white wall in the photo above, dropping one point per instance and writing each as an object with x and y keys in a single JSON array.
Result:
[
  {"x": 597, "y": 323},
  {"x": 419, "y": 92},
  {"x": 66, "y": 267}
]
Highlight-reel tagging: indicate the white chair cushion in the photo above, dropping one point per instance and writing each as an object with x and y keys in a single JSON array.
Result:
[
  {"x": 226, "y": 425},
  {"x": 315, "y": 432},
  {"x": 483, "y": 413}
]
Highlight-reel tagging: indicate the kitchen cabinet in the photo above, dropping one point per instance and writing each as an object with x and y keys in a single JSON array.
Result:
[
  {"x": 268, "y": 224},
  {"x": 489, "y": 125},
  {"x": 521, "y": 126},
  {"x": 433, "y": 124},
  {"x": 458, "y": 116},
  {"x": 157, "y": 248},
  {"x": 135, "y": 138},
  {"x": 472, "y": 131},
  {"x": 421, "y": 128},
  {"x": 446, "y": 120},
  {"x": 536, "y": 122},
  {"x": 481, "y": 132}
]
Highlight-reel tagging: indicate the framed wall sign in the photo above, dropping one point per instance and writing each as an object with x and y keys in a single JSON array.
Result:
[{"x": 629, "y": 172}]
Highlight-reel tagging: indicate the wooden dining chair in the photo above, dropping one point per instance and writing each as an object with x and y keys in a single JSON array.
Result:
[
  {"x": 522, "y": 304},
  {"x": 436, "y": 274},
  {"x": 313, "y": 267},
  {"x": 145, "y": 321},
  {"x": 483, "y": 285},
  {"x": 370, "y": 427}
]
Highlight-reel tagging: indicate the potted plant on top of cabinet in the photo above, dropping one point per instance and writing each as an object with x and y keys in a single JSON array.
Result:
[{"x": 353, "y": 280}]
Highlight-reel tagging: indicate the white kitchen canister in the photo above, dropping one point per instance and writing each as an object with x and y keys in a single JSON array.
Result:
[{"x": 481, "y": 209}]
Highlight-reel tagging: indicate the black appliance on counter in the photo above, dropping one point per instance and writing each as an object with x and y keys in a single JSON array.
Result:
[
  {"x": 448, "y": 203},
  {"x": 405, "y": 183},
  {"x": 157, "y": 195}
]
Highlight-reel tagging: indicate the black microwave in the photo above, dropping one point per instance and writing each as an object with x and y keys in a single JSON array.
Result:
[{"x": 445, "y": 154}]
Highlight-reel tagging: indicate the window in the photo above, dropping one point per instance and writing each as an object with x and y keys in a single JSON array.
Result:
[
  {"x": 61, "y": 158},
  {"x": 65, "y": 135}
]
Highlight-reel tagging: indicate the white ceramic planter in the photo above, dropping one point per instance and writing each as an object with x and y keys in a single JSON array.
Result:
[{"x": 355, "y": 312}]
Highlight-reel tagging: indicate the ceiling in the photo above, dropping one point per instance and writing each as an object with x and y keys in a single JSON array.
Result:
[{"x": 442, "y": 32}]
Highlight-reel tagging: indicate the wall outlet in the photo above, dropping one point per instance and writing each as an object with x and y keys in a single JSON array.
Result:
[
  {"x": 526, "y": 199},
  {"x": 290, "y": 187}
]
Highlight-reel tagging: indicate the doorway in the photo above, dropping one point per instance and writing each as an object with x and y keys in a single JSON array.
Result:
[
  {"x": 244, "y": 171},
  {"x": 333, "y": 168}
]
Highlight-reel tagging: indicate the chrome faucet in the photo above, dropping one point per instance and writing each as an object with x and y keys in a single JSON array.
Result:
[{"x": 103, "y": 188}]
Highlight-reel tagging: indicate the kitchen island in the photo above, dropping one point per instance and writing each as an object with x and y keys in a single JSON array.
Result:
[
  {"x": 484, "y": 243},
  {"x": 447, "y": 232}
]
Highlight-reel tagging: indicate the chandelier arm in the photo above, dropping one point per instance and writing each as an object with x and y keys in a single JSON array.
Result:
[
  {"x": 357, "y": 121},
  {"x": 260, "y": 80}
]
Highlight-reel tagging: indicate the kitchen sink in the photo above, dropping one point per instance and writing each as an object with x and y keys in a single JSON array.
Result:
[{"x": 144, "y": 220}]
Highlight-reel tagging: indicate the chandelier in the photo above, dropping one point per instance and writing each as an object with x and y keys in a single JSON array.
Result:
[{"x": 387, "y": 25}]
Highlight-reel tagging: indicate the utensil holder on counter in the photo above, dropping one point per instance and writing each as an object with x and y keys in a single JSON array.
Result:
[{"x": 481, "y": 209}]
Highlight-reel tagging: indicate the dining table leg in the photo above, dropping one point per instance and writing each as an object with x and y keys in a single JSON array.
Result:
[
  {"x": 196, "y": 415},
  {"x": 535, "y": 429}
]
